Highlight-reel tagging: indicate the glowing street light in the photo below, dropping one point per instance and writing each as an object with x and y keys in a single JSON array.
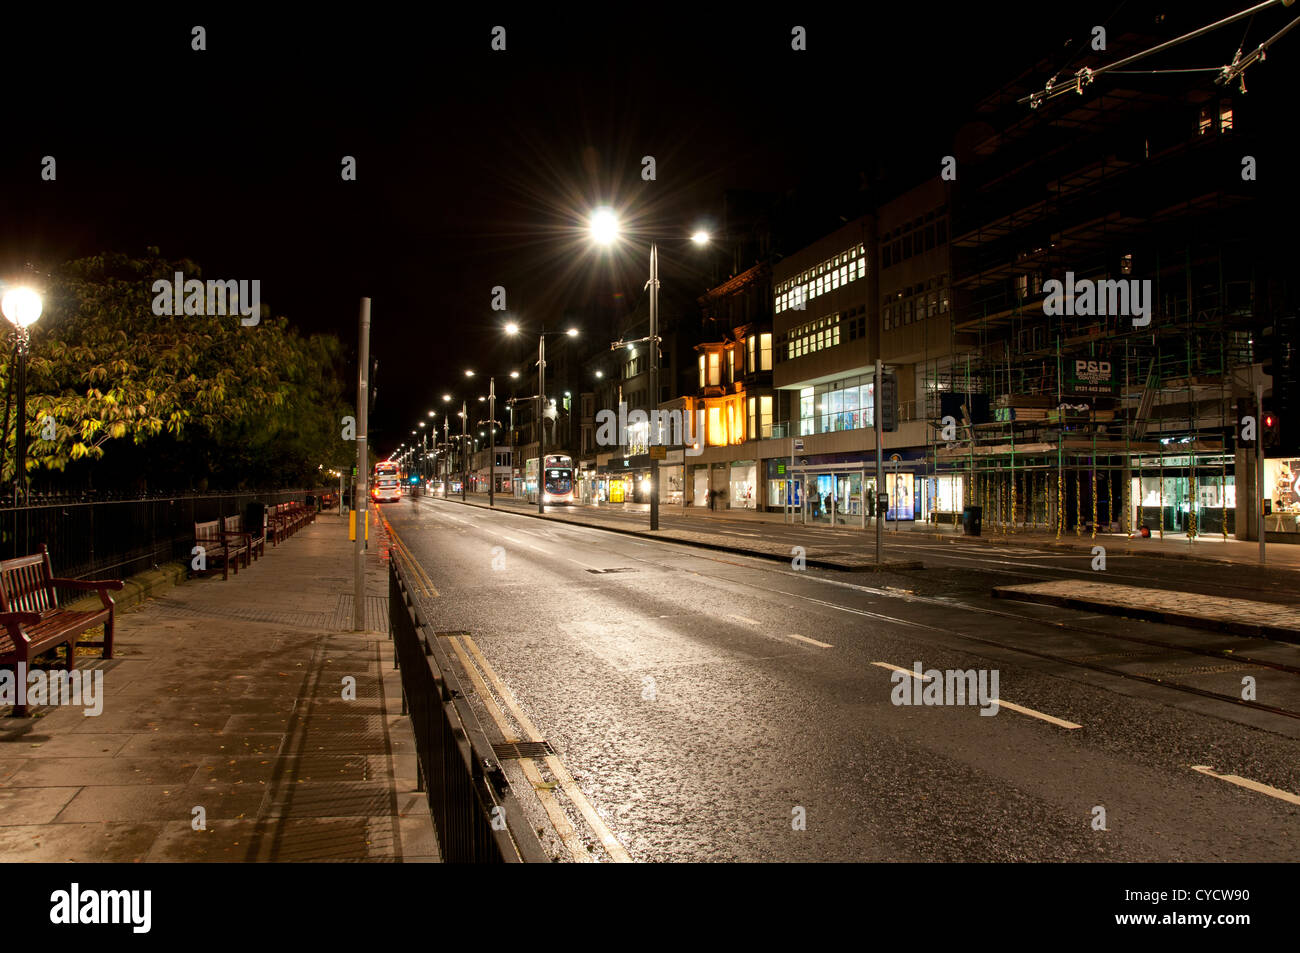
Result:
[
  {"x": 604, "y": 226},
  {"x": 22, "y": 307}
]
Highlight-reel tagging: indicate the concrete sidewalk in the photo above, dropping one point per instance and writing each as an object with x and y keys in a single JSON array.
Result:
[
  {"x": 1247, "y": 617},
  {"x": 228, "y": 696}
]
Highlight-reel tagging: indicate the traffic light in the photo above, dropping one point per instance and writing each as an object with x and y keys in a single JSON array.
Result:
[
  {"x": 889, "y": 402},
  {"x": 1271, "y": 430},
  {"x": 1281, "y": 362}
]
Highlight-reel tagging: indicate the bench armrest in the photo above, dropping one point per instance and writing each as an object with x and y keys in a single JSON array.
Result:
[
  {"x": 102, "y": 586},
  {"x": 14, "y": 622}
]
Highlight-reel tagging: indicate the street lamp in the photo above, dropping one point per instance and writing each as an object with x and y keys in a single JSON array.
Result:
[
  {"x": 604, "y": 230},
  {"x": 22, "y": 307},
  {"x": 513, "y": 328}
]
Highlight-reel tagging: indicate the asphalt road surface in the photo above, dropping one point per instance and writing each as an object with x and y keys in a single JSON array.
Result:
[{"x": 715, "y": 707}]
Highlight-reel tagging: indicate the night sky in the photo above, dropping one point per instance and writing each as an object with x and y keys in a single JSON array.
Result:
[{"x": 476, "y": 168}]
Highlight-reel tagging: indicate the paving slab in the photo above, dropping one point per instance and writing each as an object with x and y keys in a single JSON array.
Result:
[
  {"x": 228, "y": 695},
  {"x": 1269, "y": 620}
]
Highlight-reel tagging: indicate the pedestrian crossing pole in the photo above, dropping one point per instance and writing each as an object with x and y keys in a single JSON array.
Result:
[
  {"x": 1259, "y": 471},
  {"x": 363, "y": 475}
]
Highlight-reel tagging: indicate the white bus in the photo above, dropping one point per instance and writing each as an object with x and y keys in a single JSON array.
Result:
[
  {"x": 386, "y": 483},
  {"x": 558, "y": 487}
]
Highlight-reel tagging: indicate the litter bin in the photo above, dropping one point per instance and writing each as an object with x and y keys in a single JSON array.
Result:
[
  {"x": 255, "y": 518},
  {"x": 971, "y": 520}
]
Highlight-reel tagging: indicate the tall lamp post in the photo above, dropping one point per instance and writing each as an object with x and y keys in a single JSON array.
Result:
[
  {"x": 604, "y": 230},
  {"x": 464, "y": 455},
  {"x": 541, "y": 406},
  {"x": 492, "y": 415},
  {"x": 22, "y": 307}
]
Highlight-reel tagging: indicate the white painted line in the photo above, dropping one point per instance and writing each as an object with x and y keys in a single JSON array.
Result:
[
  {"x": 804, "y": 638},
  {"x": 1059, "y": 722},
  {"x": 898, "y": 668},
  {"x": 741, "y": 618},
  {"x": 1249, "y": 784}
]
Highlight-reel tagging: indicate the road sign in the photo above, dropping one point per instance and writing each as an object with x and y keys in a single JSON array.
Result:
[{"x": 798, "y": 444}]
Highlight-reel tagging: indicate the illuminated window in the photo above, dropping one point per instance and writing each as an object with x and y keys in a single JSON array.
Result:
[
  {"x": 751, "y": 367},
  {"x": 701, "y": 370},
  {"x": 1206, "y": 122},
  {"x": 715, "y": 369},
  {"x": 731, "y": 365},
  {"x": 766, "y": 351},
  {"x": 1225, "y": 117}
]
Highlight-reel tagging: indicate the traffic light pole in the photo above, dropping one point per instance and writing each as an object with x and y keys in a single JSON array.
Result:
[
  {"x": 880, "y": 452},
  {"x": 1259, "y": 469}
]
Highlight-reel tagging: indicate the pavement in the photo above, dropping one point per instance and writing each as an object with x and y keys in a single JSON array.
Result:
[
  {"x": 1269, "y": 620},
  {"x": 229, "y": 696}
]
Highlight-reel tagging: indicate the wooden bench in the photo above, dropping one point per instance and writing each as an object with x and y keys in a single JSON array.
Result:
[
  {"x": 287, "y": 518},
  {"x": 218, "y": 546},
  {"x": 34, "y": 623},
  {"x": 254, "y": 539}
]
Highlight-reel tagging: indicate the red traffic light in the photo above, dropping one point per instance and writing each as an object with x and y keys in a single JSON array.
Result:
[{"x": 1270, "y": 420}]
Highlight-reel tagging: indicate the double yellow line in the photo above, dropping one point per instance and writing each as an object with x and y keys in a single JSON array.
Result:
[{"x": 419, "y": 579}]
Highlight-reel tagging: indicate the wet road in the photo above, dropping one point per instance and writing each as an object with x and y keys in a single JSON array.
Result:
[{"x": 716, "y": 707}]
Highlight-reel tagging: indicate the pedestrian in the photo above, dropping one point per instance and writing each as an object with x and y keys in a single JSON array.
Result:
[{"x": 708, "y": 499}]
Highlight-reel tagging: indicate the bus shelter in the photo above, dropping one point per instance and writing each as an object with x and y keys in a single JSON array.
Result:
[{"x": 831, "y": 494}]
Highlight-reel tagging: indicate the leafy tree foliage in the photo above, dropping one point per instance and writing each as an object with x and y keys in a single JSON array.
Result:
[{"x": 217, "y": 403}]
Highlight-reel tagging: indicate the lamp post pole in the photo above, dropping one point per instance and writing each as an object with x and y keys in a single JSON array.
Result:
[
  {"x": 20, "y": 425},
  {"x": 359, "y": 504},
  {"x": 464, "y": 457},
  {"x": 492, "y": 441},
  {"x": 541, "y": 419},
  {"x": 654, "y": 387}
]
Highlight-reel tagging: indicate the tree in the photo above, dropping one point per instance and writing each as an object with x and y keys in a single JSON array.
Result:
[{"x": 250, "y": 405}]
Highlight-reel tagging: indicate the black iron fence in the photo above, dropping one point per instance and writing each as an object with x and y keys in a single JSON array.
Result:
[
  {"x": 476, "y": 816},
  {"x": 117, "y": 538}
]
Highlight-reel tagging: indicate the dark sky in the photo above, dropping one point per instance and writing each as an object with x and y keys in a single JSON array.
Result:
[{"x": 475, "y": 168}]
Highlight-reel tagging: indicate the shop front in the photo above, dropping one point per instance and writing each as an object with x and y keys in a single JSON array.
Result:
[
  {"x": 1191, "y": 494},
  {"x": 1282, "y": 490},
  {"x": 672, "y": 478},
  {"x": 784, "y": 489},
  {"x": 742, "y": 485}
]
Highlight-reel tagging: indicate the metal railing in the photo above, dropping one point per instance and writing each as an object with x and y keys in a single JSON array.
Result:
[
  {"x": 476, "y": 816},
  {"x": 120, "y": 537}
]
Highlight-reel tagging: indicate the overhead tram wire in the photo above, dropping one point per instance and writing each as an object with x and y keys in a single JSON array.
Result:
[{"x": 1087, "y": 76}]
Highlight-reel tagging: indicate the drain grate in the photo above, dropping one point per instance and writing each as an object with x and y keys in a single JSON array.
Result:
[
  {"x": 522, "y": 749},
  {"x": 620, "y": 569}
]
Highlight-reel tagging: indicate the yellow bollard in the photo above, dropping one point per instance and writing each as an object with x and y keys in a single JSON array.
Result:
[{"x": 352, "y": 526}]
